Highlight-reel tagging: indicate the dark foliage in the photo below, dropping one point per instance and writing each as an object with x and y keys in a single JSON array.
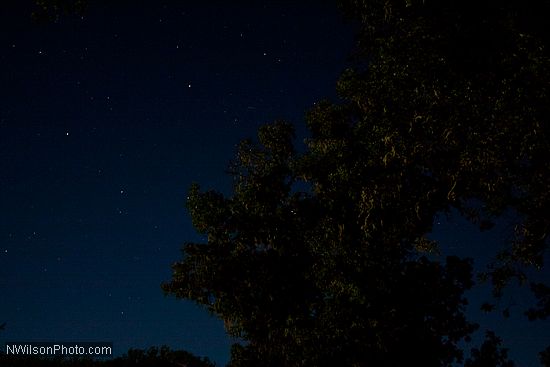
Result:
[
  {"x": 46, "y": 11},
  {"x": 489, "y": 354},
  {"x": 545, "y": 357},
  {"x": 446, "y": 108},
  {"x": 542, "y": 311}
]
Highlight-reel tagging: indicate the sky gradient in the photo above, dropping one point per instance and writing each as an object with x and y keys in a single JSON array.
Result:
[{"x": 107, "y": 119}]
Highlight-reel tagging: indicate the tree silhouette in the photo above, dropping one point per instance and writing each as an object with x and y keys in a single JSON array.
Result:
[
  {"x": 305, "y": 284},
  {"x": 162, "y": 356},
  {"x": 52, "y": 10},
  {"x": 490, "y": 354},
  {"x": 321, "y": 258},
  {"x": 545, "y": 357},
  {"x": 458, "y": 92},
  {"x": 542, "y": 311}
]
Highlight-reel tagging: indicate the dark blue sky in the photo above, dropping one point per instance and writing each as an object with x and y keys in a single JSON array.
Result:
[{"x": 105, "y": 122}]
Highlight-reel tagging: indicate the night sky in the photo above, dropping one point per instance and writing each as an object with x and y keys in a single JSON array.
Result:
[
  {"x": 104, "y": 124},
  {"x": 107, "y": 119}
]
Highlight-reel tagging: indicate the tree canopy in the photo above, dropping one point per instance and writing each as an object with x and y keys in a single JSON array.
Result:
[
  {"x": 322, "y": 257},
  {"x": 51, "y": 10}
]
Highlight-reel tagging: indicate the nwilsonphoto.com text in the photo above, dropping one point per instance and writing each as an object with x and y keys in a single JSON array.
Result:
[{"x": 59, "y": 349}]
